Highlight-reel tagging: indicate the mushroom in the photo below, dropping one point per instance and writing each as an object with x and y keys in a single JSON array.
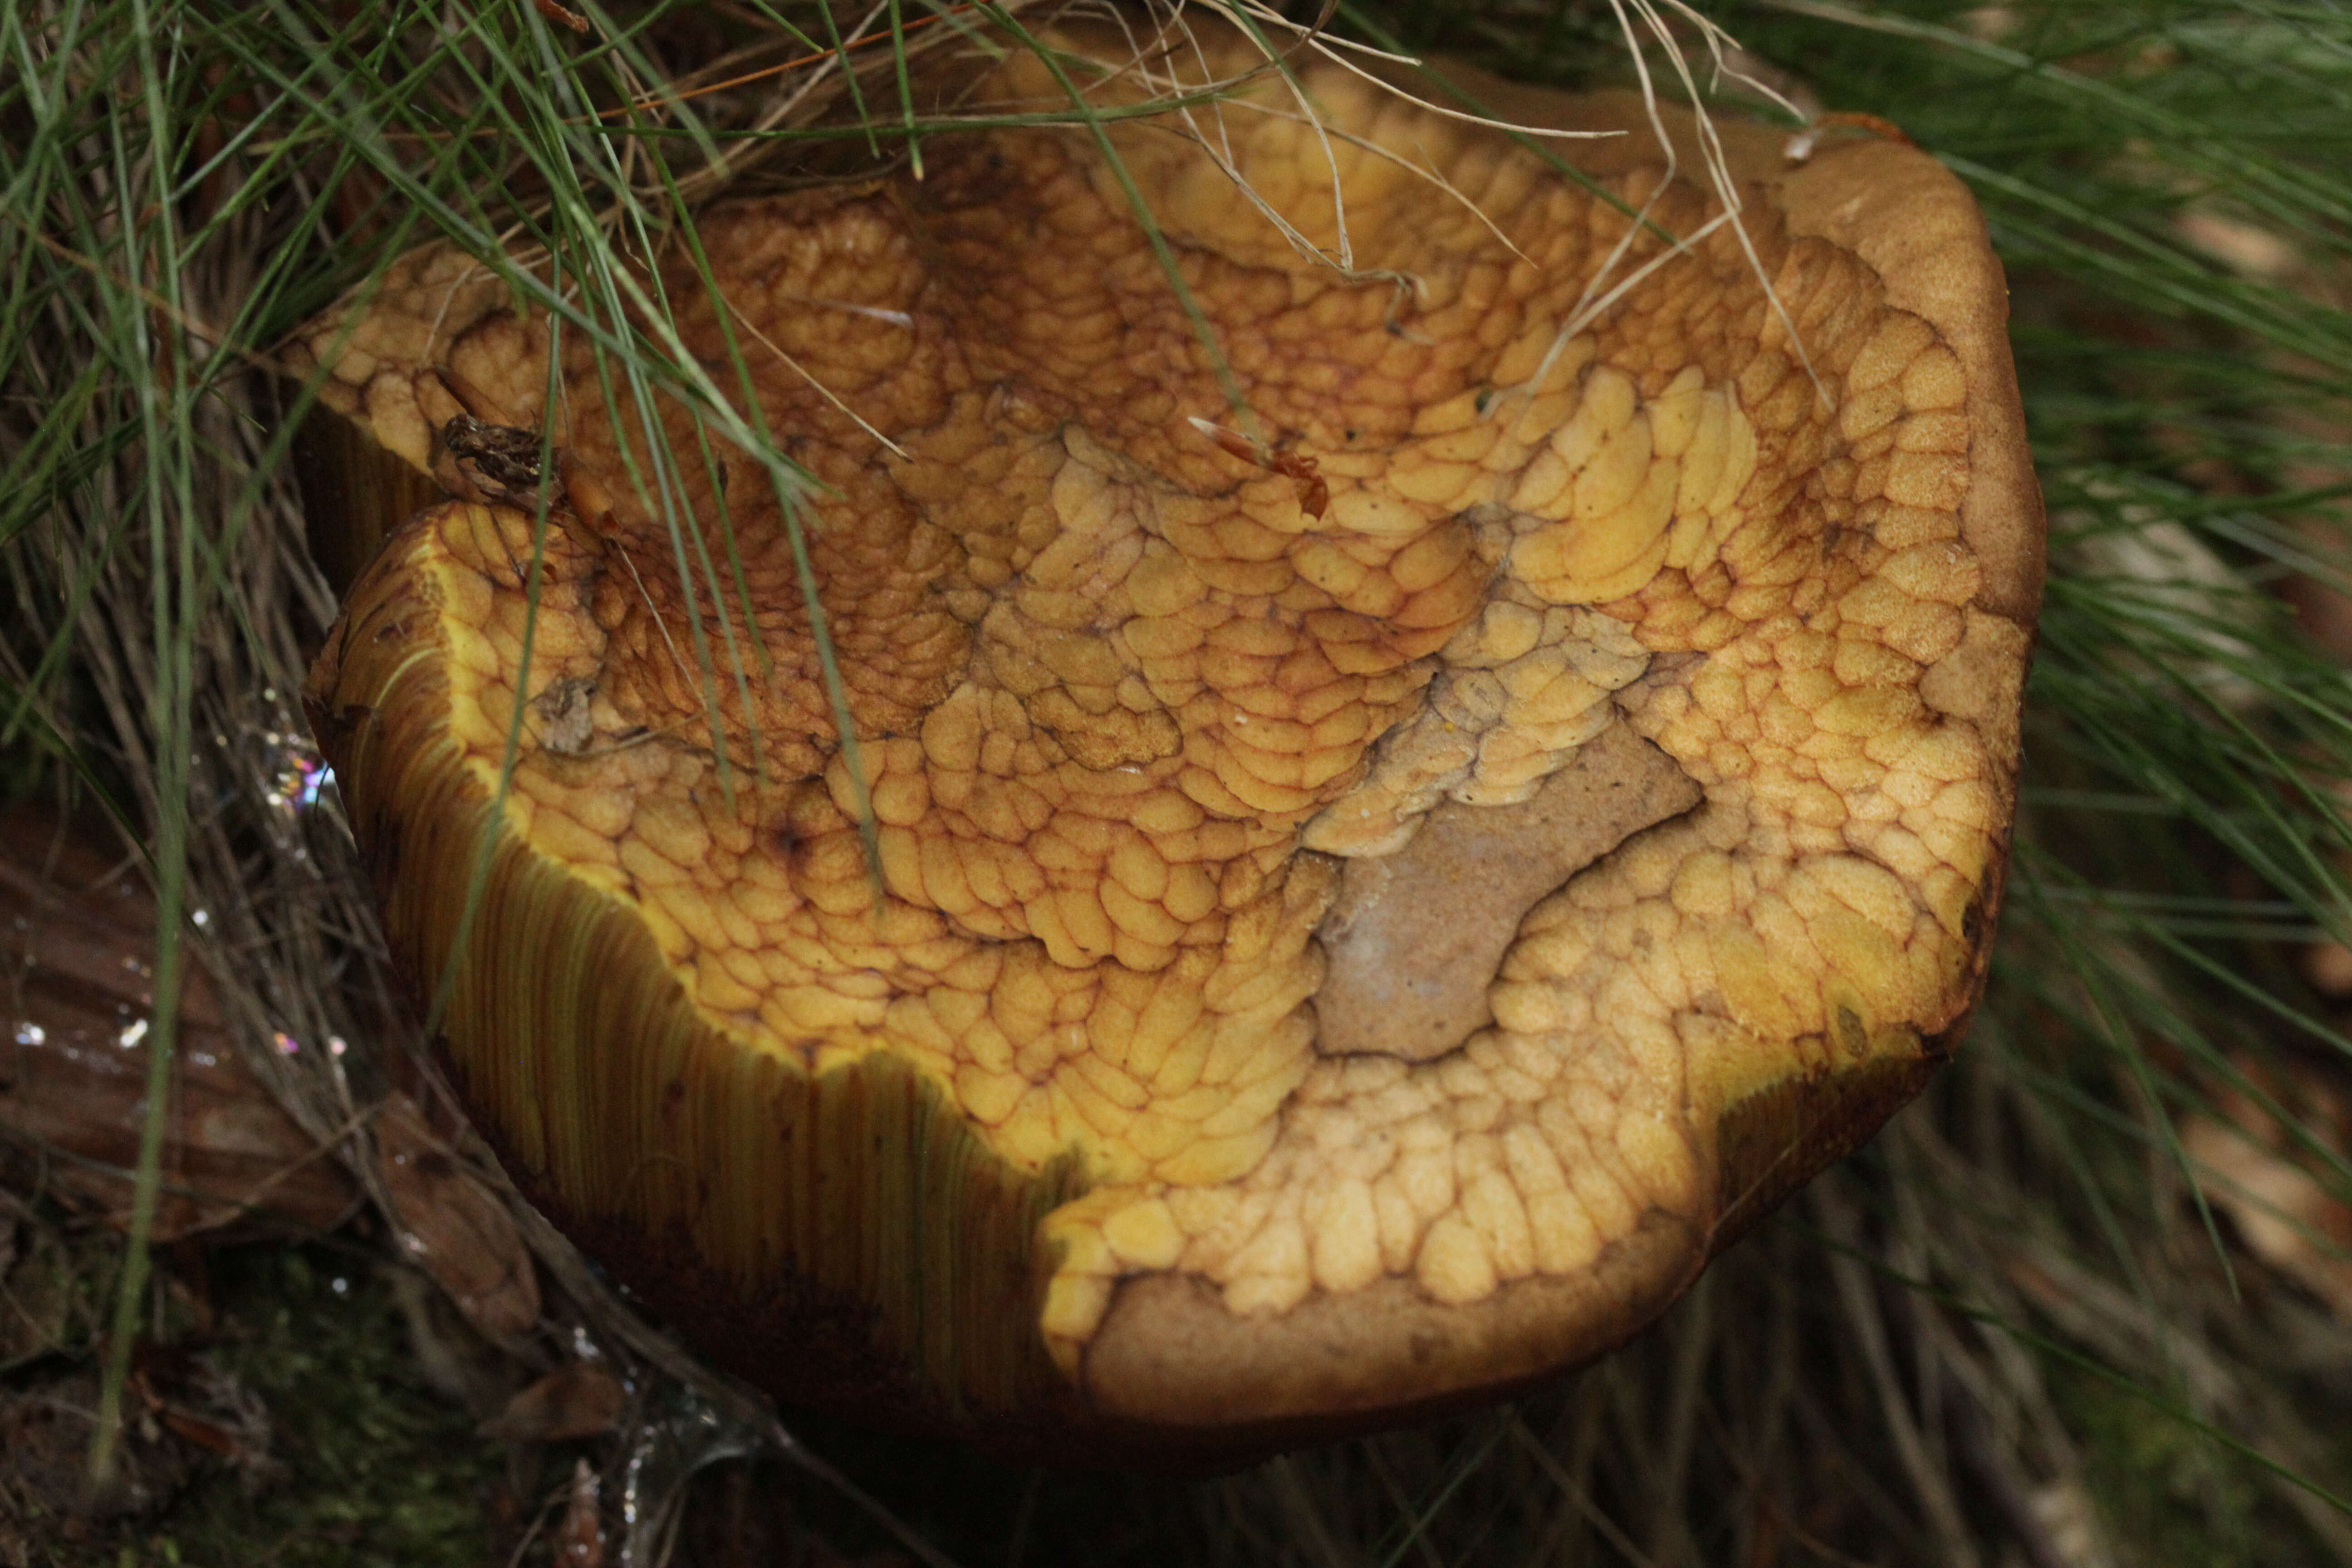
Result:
[{"x": 1369, "y": 890}]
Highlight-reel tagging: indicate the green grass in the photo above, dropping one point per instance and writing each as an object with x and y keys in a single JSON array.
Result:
[{"x": 2013, "y": 1322}]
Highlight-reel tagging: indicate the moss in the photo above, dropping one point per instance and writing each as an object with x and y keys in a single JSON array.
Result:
[
  {"x": 384, "y": 1470},
  {"x": 373, "y": 1469},
  {"x": 2170, "y": 1494}
]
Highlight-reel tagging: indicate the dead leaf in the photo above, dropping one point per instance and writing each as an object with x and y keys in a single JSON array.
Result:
[
  {"x": 453, "y": 1225},
  {"x": 562, "y": 16},
  {"x": 2280, "y": 1209},
  {"x": 76, "y": 992},
  {"x": 580, "y": 1399},
  {"x": 51, "y": 1294},
  {"x": 580, "y": 1539},
  {"x": 45, "y": 1433}
]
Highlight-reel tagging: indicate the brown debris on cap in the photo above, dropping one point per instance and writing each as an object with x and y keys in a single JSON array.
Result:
[
  {"x": 1177, "y": 743},
  {"x": 1414, "y": 938}
]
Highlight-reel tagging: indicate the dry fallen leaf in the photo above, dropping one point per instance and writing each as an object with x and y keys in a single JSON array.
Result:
[
  {"x": 44, "y": 1452},
  {"x": 580, "y": 1399},
  {"x": 453, "y": 1225},
  {"x": 2287, "y": 1218},
  {"x": 76, "y": 989},
  {"x": 580, "y": 1539}
]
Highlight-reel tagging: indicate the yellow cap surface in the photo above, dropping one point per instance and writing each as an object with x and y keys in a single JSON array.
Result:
[{"x": 1341, "y": 863}]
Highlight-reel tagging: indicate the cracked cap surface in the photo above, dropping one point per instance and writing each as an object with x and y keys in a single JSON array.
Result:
[{"x": 1374, "y": 905}]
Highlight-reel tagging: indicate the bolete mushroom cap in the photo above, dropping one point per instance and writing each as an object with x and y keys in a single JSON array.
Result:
[{"x": 1368, "y": 900}]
